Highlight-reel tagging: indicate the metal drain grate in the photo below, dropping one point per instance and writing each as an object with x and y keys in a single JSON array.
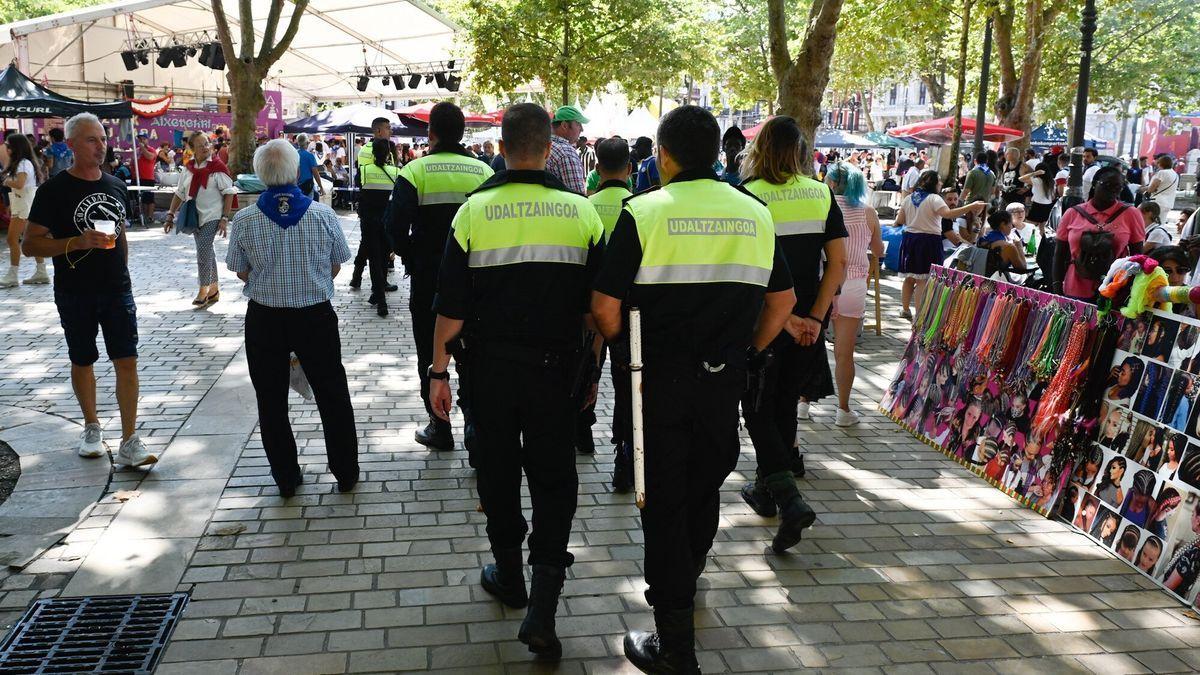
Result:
[{"x": 99, "y": 634}]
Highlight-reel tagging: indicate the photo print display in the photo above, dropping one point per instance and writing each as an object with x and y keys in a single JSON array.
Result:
[
  {"x": 972, "y": 379},
  {"x": 1137, "y": 491}
]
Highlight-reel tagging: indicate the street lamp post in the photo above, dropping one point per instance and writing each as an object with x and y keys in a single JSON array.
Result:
[
  {"x": 984, "y": 71},
  {"x": 1074, "y": 194}
]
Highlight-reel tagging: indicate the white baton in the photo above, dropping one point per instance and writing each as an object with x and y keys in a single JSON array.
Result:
[{"x": 635, "y": 377}]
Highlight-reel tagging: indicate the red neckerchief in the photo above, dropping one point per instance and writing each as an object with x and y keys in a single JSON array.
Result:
[{"x": 200, "y": 176}]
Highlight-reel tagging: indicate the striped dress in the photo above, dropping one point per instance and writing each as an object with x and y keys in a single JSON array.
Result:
[{"x": 859, "y": 243}]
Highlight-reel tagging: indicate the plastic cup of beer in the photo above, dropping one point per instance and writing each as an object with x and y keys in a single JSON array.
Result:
[{"x": 108, "y": 227}]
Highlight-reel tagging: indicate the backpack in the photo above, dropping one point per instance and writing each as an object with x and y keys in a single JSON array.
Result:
[{"x": 1095, "y": 246}]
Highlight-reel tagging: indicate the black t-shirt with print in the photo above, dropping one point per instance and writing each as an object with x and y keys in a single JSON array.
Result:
[{"x": 67, "y": 205}]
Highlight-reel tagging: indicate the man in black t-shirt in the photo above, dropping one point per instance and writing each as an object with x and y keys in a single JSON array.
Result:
[{"x": 78, "y": 218}]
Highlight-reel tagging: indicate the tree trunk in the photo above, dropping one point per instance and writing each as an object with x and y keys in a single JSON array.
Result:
[
  {"x": 1014, "y": 108},
  {"x": 959, "y": 94},
  {"x": 566, "y": 57},
  {"x": 935, "y": 89},
  {"x": 246, "y": 85},
  {"x": 867, "y": 98},
  {"x": 802, "y": 80}
]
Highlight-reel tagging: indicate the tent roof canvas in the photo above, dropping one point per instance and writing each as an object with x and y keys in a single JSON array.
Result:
[{"x": 22, "y": 97}]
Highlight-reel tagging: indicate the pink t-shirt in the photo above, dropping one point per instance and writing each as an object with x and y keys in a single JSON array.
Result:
[{"x": 1127, "y": 229}]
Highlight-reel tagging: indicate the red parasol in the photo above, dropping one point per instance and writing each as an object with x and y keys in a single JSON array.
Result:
[
  {"x": 941, "y": 131},
  {"x": 420, "y": 113}
]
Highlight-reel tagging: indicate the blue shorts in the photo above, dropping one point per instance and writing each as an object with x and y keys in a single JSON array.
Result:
[{"x": 84, "y": 314}]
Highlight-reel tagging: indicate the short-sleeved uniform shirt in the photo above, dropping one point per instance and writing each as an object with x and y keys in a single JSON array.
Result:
[
  {"x": 683, "y": 323},
  {"x": 1128, "y": 229},
  {"x": 526, "y": 299},
  {"x": 803, "y": 251},
  {"x": 67, "y": 206}
]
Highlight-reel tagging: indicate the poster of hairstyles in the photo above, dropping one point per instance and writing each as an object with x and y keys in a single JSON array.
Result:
[
  {"x": 975, "y": 378},
  {"x": 1137, "y": 491}
]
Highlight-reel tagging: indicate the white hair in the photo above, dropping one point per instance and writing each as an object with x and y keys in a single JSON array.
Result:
[
  {"x": 277, "y": 163},
  {"x": 80, "y": 119},
  {"x": 302, "y": 140}
]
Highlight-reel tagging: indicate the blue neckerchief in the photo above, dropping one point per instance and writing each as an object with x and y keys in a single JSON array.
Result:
[
  {"x": 285, "y": 205},
  {"x": 984, "y": 168},
  {"x": 919, "y": 196}
]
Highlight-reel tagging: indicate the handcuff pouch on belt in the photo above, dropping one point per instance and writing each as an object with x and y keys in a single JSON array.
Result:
[{"x": 757, "y": 365}]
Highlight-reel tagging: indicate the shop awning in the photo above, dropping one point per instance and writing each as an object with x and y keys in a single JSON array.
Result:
[
  {"x": 22, "y": 97},
  {"x": 351, "y": 119}
]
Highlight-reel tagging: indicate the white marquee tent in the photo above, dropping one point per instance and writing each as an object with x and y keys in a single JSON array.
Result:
[{"x": 335, "y": 38}]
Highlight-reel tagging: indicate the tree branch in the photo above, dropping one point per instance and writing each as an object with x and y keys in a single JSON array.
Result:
[
  {"x": 246, "y": 21},
  {"x": 268, "y": 39},
  {"x": 781, "y": 58},
  {"x": 278, "y": 50},
  {"x": 223, "y": 34}
]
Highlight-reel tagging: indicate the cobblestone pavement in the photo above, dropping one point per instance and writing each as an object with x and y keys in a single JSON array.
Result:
[{"x": 914, "y": 565}]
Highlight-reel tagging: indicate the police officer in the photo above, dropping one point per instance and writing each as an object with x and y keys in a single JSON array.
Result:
[
  {"x": 698, "y": 258},
  {"x": 612, "y": 164},
  {"x": 513, "y": 296},
  {"x": 808, "y": 224},
  {"x": 381, "y": 130},
  {"x": 379, "y": 179},
  {"x": 426, "y": 198}
]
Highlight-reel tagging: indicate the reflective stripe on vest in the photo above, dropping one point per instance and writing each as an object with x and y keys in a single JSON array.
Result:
[
  {"x": 703, "y": 231},
  {"x": 526, "y": 223},
  {"x": 445, "y": 177},
  {"x": 375, "y": 177},
  {"x": 607, "y": 203},
  {"x": 799, "y": 206}
]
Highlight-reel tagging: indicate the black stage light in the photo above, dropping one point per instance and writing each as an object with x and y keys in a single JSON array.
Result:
[
  {"x": 413, "y": 81},
  {"x": 386, "y": 80},
  {"x": 165, "y": 55},
  {"x": 453, "y": 82},
  {"x": 143, "y": 56},
  {"x": 179, "y": 56},
  {"x": 398, "y": 81},
  {"x": 191, "y": 51},
  {"x": 213, "y": 56},
  {"x": 363, "y": 81},
  {"x": 441, "y": 80},
  {"x": 130, "y": 60},
  {"x": 428, "y": 79},
  {"x": 449, "y": 65}
]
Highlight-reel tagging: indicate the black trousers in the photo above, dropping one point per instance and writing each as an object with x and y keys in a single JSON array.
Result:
[
  {"x": 691, "y": 436},
  {"x": 423, "y": 286},
  {"x": 772, "y": 425},
  {"x": 524, "y": 422},
  {"x": 373, "y": 252},
  {"x": 272, "y": 334}
]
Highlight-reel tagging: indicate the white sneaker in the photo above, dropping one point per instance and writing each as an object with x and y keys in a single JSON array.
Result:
[
  {"x": 91, "y": 441},
  {"x": 803, "y": 412},
  {"x": 133, "y": 452},
  {"x": 40, "y": 276},
  {"x": 9, "y": 280},
  {"x": 845, "y": 418}
]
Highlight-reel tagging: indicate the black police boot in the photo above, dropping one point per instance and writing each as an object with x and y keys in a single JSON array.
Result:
[
  {"x": 584, "y": 443},
  {"x": 436, "y": 435},
  {"x": 392, "y": 288},
  {"x": 670, "y": 649},
  {"x": 623, "y": 468},
  {"x": 759, "y": 498},
  {"x": 537, "y": 630},
  {"x": 795, "y": 514},
  {"x": 356, "y": 278},
  {"x": 797, "y": 464},
  {"x": 506, "y": 578}
]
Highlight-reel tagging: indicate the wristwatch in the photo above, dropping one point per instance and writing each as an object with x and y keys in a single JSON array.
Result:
[{"x": 435, "y": 375}]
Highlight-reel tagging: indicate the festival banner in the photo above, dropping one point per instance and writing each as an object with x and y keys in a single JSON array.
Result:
[
  {"x": 1137, "y": 492},
  {"x": 988, "y": 374}
]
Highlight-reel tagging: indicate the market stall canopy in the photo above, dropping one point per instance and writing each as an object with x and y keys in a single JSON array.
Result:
[
  {"x": 826, "y": 138},
  {"x": 420, "y": 113},
  {"x": 351, "y": 119},
  {"x": 1047, "y": 136},
  {"x": 884, "y": 141},
  {"x": 335, "y": 38},
  {"x": 22, "y": 97},
  {"x": 940, "y": 131}
]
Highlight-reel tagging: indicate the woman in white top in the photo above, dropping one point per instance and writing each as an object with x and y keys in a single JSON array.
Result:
[
  {"x": 21, "y": 176},
  {"x": 206, "y": 181},
  {"x": 850, "y": 191},
  {"x": 921, "y": 214},
  {"x": 1163, "y": 186},
  {"x": 1043, "y": 183}
]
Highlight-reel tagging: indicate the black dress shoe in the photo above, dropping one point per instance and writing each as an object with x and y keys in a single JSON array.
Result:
[
  {"x": 347, "y": 485},
  {"x": 392, "y": 288},
  {"x": 288, "y": 490},
  {"x": 381, "y": 309}
]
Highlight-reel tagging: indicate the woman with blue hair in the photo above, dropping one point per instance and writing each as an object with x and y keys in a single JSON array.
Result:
[{"x": 849, "y": 189}]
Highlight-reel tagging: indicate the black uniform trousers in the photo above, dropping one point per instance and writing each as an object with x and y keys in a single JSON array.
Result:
[
  {"x": 524, "y": 421},
  {"x": 373, "y": 251},
  {"x": 423, "y": 288},
  {"x": 272, "y": 335},
  {"x": 691, "y": 437},
  {"x": 773, "y": 424}
]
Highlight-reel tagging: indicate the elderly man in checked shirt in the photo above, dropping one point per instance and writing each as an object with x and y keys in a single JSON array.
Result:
[{"x": 288, "y": 248}]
